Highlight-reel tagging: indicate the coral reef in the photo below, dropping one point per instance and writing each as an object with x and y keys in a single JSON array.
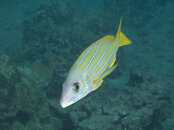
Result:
[
  {"x": 23, "y": 103},
  {"x": 143, "y": 104},
  {"x": 50, "y": 31}
]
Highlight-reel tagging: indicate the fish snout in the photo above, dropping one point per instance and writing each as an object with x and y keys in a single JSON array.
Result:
[
  {"x": 63, "y": 103},
  {"x": 64, "y": 96}
]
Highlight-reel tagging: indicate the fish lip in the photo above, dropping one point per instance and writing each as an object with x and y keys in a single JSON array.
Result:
[
  {"x": 63, "y": 104},
  {"x": 63, "y": 100}
]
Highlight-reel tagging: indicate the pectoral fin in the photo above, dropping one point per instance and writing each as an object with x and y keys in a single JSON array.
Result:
[{"x": 105, "y": 73}]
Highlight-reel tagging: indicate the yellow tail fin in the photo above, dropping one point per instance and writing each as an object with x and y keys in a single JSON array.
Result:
[{"x": 123, "y": 39}]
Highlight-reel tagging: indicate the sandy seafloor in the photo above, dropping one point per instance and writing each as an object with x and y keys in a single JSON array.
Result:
[{"x": 152, "y": 38}]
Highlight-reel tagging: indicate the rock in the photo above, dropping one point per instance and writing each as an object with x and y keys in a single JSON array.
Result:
[
  {"x": 43, "y": 113},
  {"x": 55, "y": 124},
  {"x": 23, "y": 103},
  {"x": 8, "y": 79},
  {"x": 8, "y": 70},
  {"x": 44, "y": 68},
  {"x": 28, "y": 91},
  {"x": 33, "y": 126},
  {"x": 139, "y": 119},
  {"x": 17, "y": 126},
  {"x": 53, "y": 89}
]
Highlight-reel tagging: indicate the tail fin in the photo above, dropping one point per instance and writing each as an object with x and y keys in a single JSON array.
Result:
[{"x": 122, "y": 38}]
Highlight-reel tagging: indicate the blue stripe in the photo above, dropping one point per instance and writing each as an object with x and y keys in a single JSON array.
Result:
[
  {"x": 101, "y": 67},
  {"x": 83, "y": 58},
  {"x": 90, "y": 61},
  {"x": 104, "y": 64},
  {"x": 99, "y": 59},
  {"x": 89, "y": 83}
]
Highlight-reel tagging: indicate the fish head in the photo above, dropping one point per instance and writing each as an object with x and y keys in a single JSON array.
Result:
[{"x": 73, "y": 90}]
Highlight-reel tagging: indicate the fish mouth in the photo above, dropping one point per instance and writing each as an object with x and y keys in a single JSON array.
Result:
[
  {"x": 63, "y": 104},
  {"x": 63, "y": 100}
]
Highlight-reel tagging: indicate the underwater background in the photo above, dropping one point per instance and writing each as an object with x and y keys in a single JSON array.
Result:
[{"x": 40, "y": 40}]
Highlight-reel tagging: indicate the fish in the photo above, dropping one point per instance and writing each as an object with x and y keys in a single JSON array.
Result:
[{"x": 91, "y": 67}]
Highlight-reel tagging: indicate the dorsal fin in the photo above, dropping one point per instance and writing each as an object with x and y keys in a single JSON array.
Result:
[{"x": 119, "y": 29}]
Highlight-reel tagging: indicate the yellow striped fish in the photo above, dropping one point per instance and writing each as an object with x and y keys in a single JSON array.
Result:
[{"x": 88, "y": 71}]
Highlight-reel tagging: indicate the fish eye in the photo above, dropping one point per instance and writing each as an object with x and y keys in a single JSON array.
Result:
[{"x": 76, "y": 86}]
